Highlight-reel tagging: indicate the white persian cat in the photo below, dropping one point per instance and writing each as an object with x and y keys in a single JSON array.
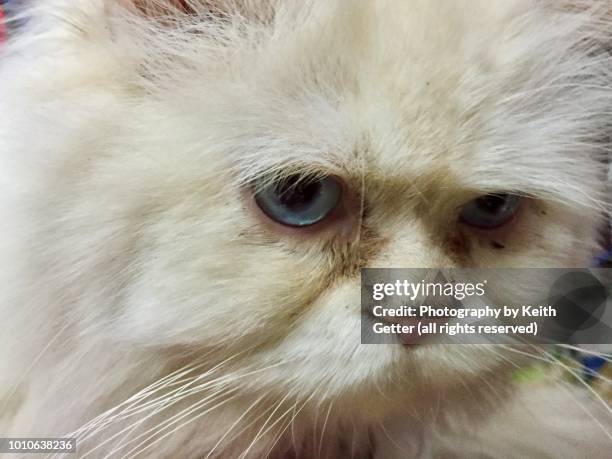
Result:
[{"x": 188, "y": 190}]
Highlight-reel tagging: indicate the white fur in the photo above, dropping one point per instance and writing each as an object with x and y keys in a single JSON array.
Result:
[{"x": 130, "y": 247}]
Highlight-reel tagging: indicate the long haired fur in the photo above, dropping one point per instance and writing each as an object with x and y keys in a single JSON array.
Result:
[{"x": 147, "y": 308}]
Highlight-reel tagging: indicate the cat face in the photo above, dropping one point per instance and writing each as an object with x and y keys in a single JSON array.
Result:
[{"x": 407, "y": 113}]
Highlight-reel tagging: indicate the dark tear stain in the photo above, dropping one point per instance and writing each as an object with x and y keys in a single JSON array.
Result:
[
  {"x": 497, "y": 245},
  {"x": 351, "y": 256},
  {"x": 459, "y": 246}
]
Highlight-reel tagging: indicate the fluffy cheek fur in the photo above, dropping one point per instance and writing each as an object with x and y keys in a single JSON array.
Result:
[{"x": 136, "y": 222}]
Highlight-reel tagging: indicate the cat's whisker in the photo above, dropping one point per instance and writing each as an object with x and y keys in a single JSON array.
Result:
[
  {"x": 134, "y": 452},
  {"x": 586, "y": 411},
  {"x": 183, "y": 389},
  {"x": 222, "y": 382},
  {"x": 135, "y": 407},
  {"x": 531, "y": 355},
  {"x": 166, "y": 401},
  {"x": 292, "y": 426},
  {"x": 235, "y": 423},
  {"x": 294, "y": 414},
  {"x": 142, "y": 404},
  {"x": 191, "y": 409},
  {"x": 603, "y": 355},
  {"x": 541, "y": 358},
  {"x": 598, "y": 377},
  {"x": 250, "y": 424},
  {"x": 540, "y": 355},
  {"x": 173, "y": 419},
  {"x": 281, "y": 430},
  {"x": 320, "y": 449},
  {"x": 139, "y": 422},
  {"x": 603, "y": 402},
  {"x": 146, "y": 391},
  {"x": 313, "y": 394},
  {"x": 137, "y": 404},
  {"x": 261, "y": 431}
]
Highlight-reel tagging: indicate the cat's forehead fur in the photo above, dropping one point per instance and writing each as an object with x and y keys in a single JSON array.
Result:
[
  {"x": 420, "y": 88},
  {"x": 426, "y": 91}
]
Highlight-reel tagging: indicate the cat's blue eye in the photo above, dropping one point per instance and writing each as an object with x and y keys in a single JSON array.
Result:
[
  {"x": 297, "y": 201},
  {"x": 490, "y": 211}
]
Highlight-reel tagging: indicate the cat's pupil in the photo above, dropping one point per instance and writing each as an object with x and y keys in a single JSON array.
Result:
[
  {"x": 491, "y": 210},
  {"x": 493, "y": 203},
  {"x": 295, "y": 195}
]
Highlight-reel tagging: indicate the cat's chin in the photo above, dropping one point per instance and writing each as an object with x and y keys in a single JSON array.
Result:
[{"x": 357, "y": 444}]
